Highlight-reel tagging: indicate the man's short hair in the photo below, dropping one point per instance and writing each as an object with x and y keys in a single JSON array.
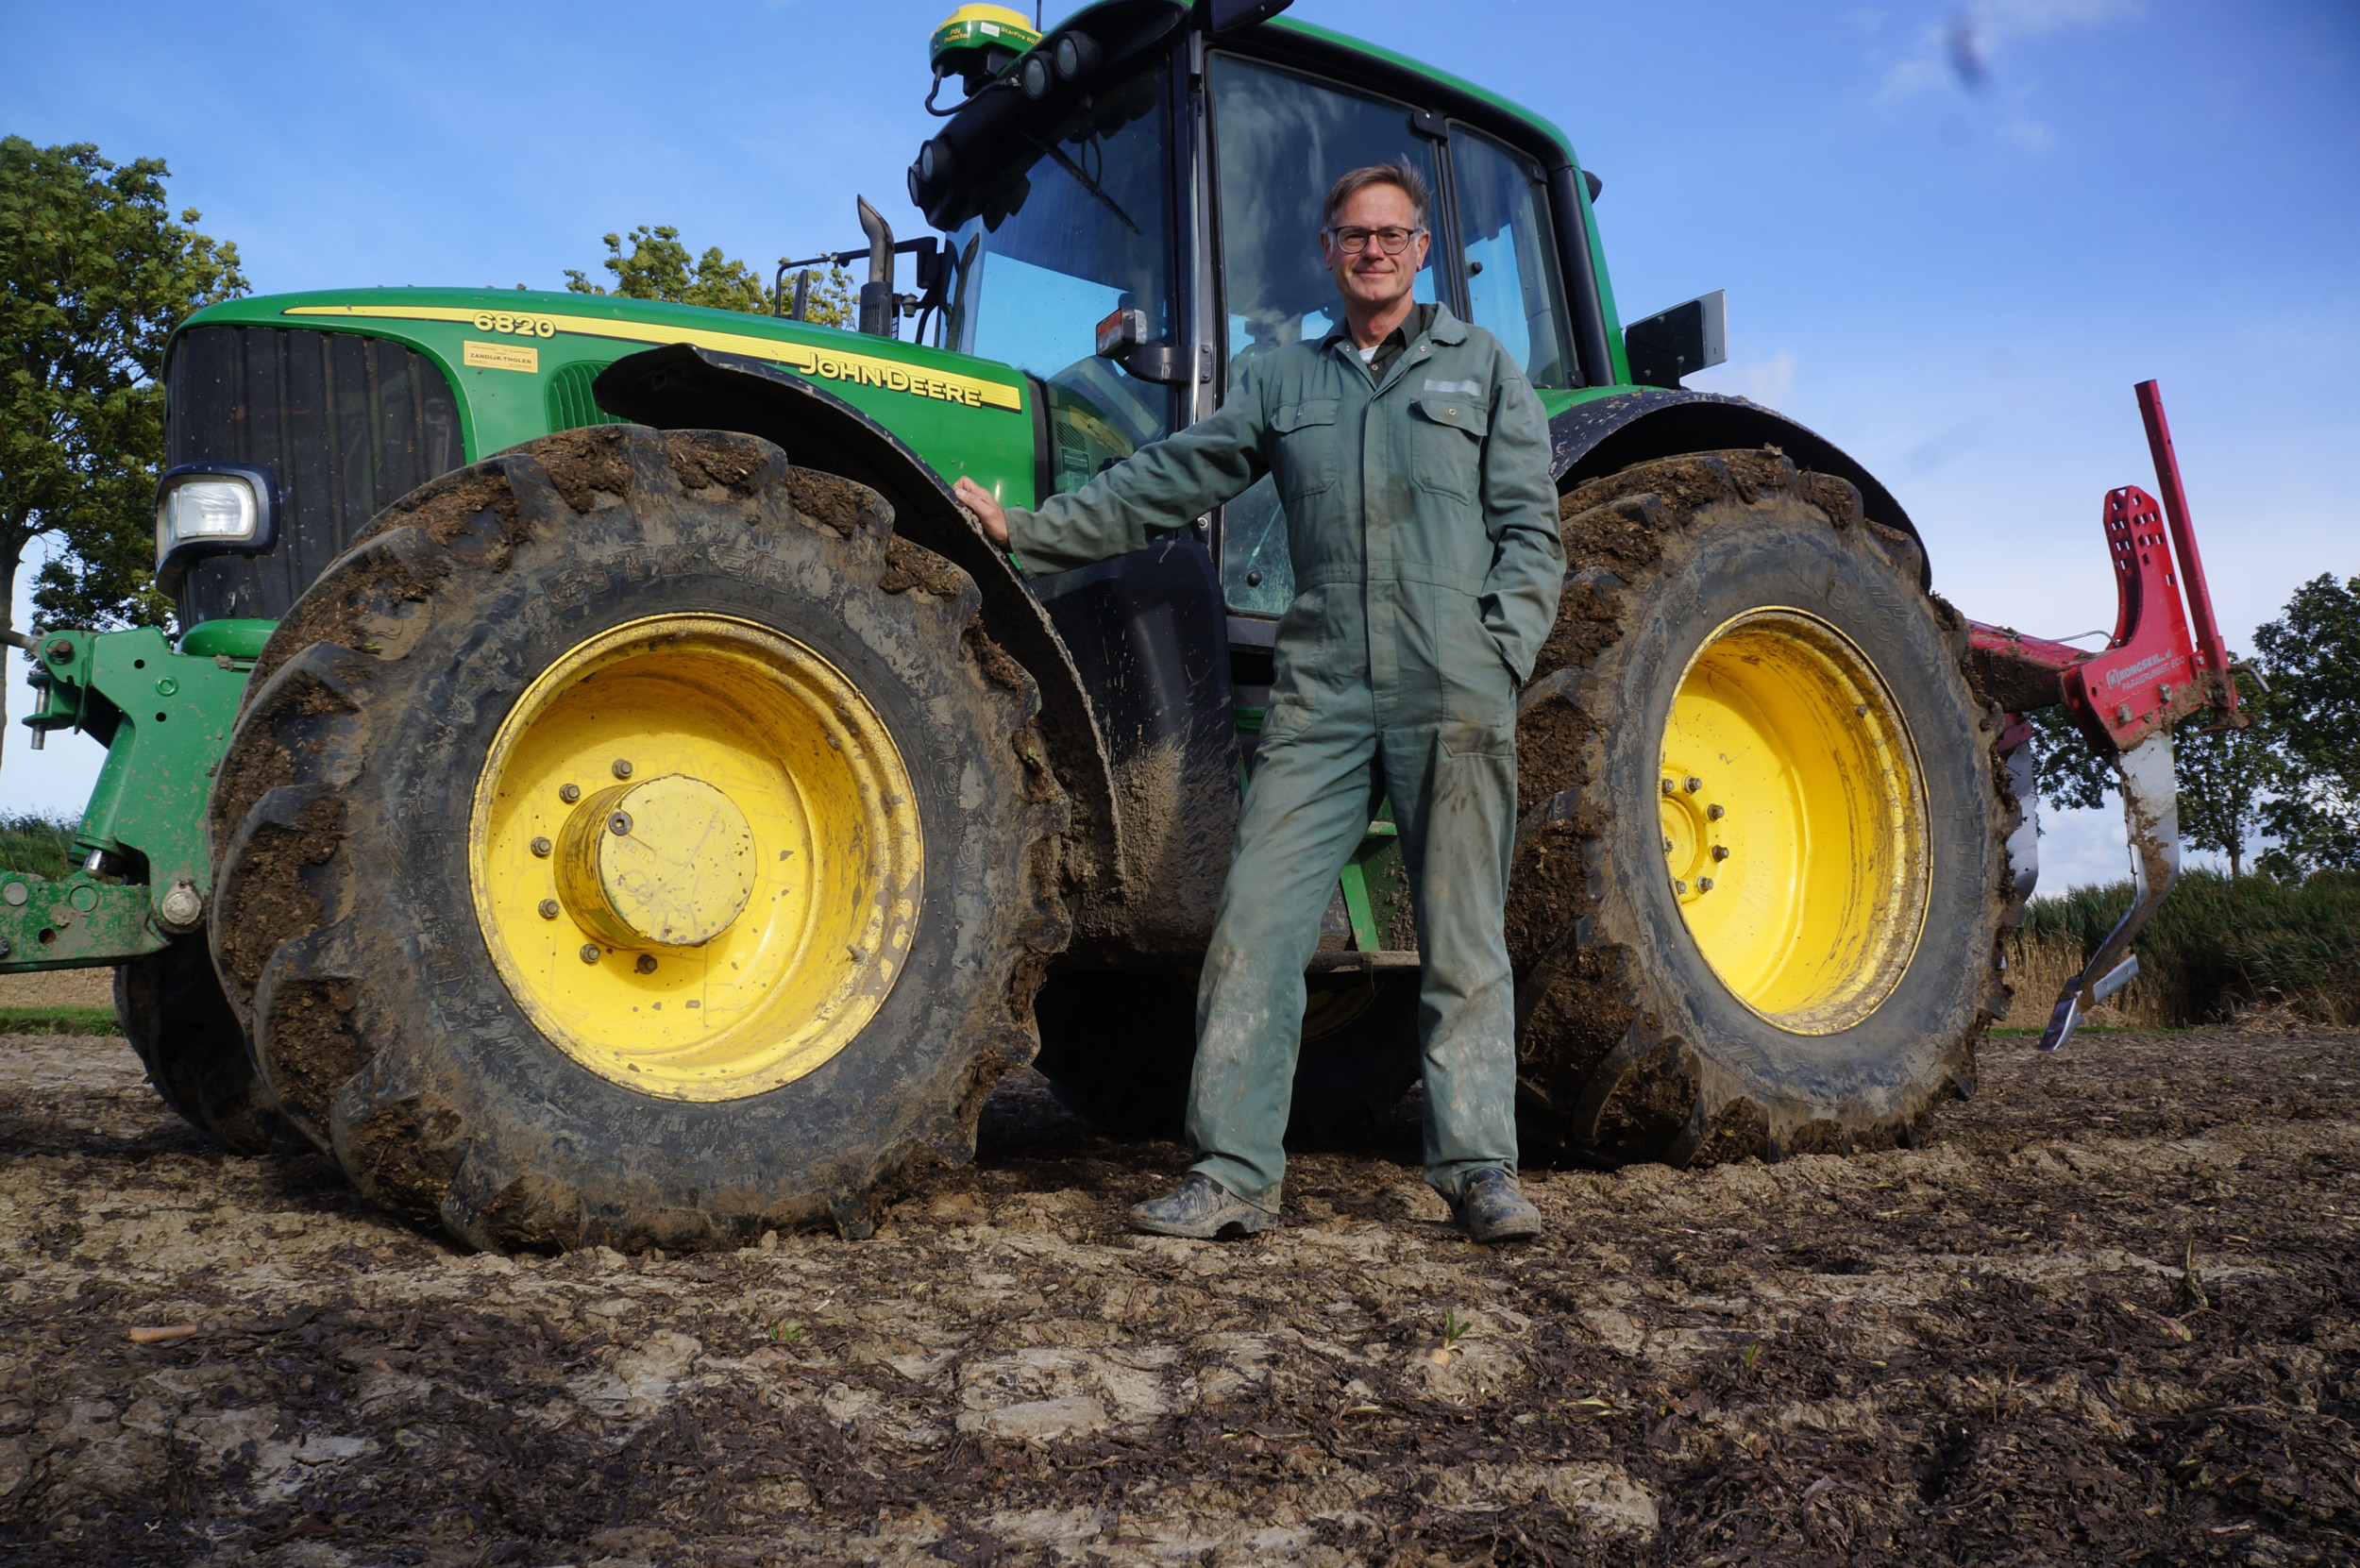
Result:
[{"x": 1399, "y": 175}]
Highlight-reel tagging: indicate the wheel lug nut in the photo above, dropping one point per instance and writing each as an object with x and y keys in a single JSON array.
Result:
[
  {"x": 569, "y": 793},
  {"x": 549, "y": 909},
  {"x": 1668, "y": 789},
  {"x": 622, "y": 768},
  {"x": 645, "y": 964},
  {"x": 619, "y": 824},
  {"x": 541, "y": 847},
  {"x": 1704, "y": 884},
  {"x": 1694, "y": 783},
  {"x": 1720, "y": 852},
  {"x": 1713, "y": 814},
  {"x": 589, "y": 953},
  {"x": 1679, "y": 886}
]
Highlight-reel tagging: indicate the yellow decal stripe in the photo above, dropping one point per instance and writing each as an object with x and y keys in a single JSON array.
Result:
[{"x": 818, "y": 364}]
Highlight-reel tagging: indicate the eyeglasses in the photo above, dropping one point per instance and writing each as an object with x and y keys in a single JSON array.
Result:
[{"x": 1352, "y": 239}]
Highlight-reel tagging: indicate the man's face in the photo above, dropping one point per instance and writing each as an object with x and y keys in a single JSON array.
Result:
[{"x": 1372, "y": 278}]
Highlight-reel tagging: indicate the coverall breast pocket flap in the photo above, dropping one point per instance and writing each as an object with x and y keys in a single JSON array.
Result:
[
  {"x": 1307, "y": 446},
  {"x": 1446, "y": 444},
  {"x": 1460, "y": 414}
]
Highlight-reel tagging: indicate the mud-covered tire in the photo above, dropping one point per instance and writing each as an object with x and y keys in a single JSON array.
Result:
[
  {"x": 1118, "y": 1047},
  {"x": 1631, "y": 1047},
  {"x": 345, "y": 934},
  {"x": 171, "y": 1007}
]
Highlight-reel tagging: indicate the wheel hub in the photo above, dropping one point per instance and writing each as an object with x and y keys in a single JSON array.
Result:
[
  {"x": 664, "y": 864},
  {"x": 696, "y": 857}
]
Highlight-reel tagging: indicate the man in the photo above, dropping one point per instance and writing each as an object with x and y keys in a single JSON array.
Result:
[{"x": 1412, "y": 457}]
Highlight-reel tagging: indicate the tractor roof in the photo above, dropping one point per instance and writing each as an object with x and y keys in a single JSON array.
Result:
[{"x": 1001, "y": 120}]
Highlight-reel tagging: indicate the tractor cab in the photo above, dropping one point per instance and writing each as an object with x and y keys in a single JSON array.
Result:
[{"x": 1134, "y": 204}]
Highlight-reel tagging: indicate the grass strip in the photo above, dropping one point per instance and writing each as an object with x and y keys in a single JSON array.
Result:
[
  {"x": 2218, "y": 945},
  {"x": 43, "y": 846},
  {"x": 58, "y": 1020}
]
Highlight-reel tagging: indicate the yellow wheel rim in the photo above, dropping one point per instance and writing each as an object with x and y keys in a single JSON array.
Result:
[
  {"x": 696, "y": 857},
  {"x": 1795, "y": 820}
]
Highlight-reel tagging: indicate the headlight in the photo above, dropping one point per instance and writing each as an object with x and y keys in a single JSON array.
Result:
[
  {"x": 211, "y": 509},
  {"x": 1033, "y": 76},
  {"x": 219, "y": 509}
]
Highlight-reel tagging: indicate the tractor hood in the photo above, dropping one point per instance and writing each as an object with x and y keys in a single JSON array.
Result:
[{"x": 519, "y": 365}]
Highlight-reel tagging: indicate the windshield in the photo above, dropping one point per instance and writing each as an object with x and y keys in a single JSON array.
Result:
[
  {"x": 1279, "y": 141},
  {"x": 1077, "y": 227}
]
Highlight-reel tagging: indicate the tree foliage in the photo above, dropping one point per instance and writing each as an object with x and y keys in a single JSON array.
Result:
[
  {"x": 2312, "y": 655},
  {"x": 2291, "y": 775},
  {"x": 93, "y": 276},
  {"x": 660, "y": 267},
  {"x": 2227, "y": 777}
]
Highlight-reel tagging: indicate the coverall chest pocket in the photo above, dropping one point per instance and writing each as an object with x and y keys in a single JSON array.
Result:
[
  {"x": 1305, "y": 462},
  {"x": 1446, "y": 444}
]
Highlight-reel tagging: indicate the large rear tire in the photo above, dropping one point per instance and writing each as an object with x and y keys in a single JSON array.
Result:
[
  {"x": 1759, "y": 882},
  {"x": 631, "y": 842},
  {"x": 171, "y": 1011}
]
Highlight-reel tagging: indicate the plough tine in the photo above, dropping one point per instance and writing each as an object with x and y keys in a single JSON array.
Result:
[{"x": 2151, "y": 809}]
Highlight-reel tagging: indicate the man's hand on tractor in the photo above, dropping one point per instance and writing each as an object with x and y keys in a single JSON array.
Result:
[{"x": 987, "y": 512}]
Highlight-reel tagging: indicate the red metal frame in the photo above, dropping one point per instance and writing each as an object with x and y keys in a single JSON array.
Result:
[
  {"x": 2211, "y": 655},
  {"x": 2152, "y": 672}
]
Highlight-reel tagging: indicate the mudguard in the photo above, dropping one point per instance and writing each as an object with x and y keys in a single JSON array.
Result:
[{"x": 1605, "y": 435}]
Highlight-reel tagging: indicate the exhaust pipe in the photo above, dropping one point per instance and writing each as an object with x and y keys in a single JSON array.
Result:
[{"x": 879, "y": 313}]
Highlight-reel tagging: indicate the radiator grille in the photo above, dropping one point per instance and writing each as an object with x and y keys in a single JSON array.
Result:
[
  {"x": 348, "y": 424},
  {"x": 568, "y": 401}
]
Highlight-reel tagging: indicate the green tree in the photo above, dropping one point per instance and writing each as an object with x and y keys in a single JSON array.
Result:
[
  {"x": 2311, "y": 654},
  {"x": 93, "y": 276},
  {"x": 2228, "y": 777},
  {"x": 660, "y": 267},
  {"x": 2065, "y": 770}
]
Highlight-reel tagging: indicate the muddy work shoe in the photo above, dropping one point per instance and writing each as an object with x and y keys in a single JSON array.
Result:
[
  {"x": 1202, "y": 1209},
  {"x": 1490, "y": 1208}
]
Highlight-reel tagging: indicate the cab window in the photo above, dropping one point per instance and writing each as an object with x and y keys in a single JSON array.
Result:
[
  {"x": 1078, "y": 229},
  {"x": 1279, "y": 141},
  {"x": 1514, "y": 290}
]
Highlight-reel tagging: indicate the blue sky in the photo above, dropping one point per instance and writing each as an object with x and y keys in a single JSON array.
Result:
[{"x": 1957, "y": 281}]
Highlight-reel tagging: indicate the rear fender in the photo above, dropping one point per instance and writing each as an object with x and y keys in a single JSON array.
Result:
[
  {"x": 1607, "y": 434},
  {"x": 681, "y": 387}
]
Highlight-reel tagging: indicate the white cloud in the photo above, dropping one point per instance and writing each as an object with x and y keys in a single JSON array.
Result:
[
  {"x": 2028, "y": 133},
  {"x": 1769, "y": 382}
]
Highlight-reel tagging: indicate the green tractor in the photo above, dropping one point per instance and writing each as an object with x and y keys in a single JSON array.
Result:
[{"x": 608, "y": 791}]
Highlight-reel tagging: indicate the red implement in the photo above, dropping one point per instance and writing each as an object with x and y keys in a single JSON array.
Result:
[
  {"x": 2125, "y": 700},
  {"x": 2152, "y": 672}
]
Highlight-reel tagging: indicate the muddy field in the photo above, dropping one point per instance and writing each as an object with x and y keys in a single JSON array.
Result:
[{"x": 1991, "y": 1349}]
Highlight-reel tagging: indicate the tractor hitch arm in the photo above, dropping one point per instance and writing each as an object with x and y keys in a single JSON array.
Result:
[{"x": 2126, "y": 697}]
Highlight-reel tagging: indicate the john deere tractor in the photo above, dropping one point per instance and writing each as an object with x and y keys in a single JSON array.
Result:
[{"x": 607, "y": 790}]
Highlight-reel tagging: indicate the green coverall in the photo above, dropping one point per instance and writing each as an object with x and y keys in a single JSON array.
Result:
[{"x": 1422, "y": 527}]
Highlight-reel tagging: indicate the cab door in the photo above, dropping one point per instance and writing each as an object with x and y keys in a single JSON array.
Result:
[{"x": 1279, "y": 138}]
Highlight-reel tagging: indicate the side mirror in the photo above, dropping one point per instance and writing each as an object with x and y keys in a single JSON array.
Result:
[
  {"x": 1123, "y": 338},
  {"x": 1230, "y": 16},
  {"x": 1681, "y": 340}
]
